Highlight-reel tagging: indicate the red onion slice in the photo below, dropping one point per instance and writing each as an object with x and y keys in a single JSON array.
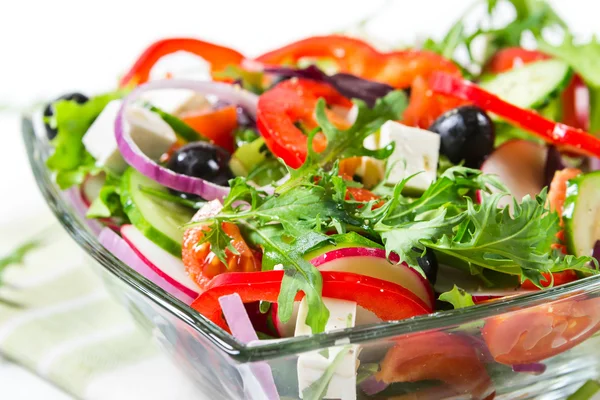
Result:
[
  {"x": 147, "y": 167},
  {"x": 239, "y": 322},
  {"x": 120, "y": 249},
  {"x": 533, "y": 368}
]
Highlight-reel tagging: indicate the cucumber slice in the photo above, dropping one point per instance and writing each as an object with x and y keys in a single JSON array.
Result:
[
  {"x": 160, "y": 221},
  {"x": 247, "y": 156},
  {"x": 533, "y": 85},
  {"x": 581, "y": 212}
]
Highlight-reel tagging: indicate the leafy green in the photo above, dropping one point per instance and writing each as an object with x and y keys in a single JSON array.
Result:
[
  {"x": 70, "y": 162},
  {"x": 249, "y": 80},
  {"x": 516, "y": 242},
  {"x": 457, "y": 297},
  {"x": 583, "y": 58},
  {"x": 108, "y": 203},
  {"x": 181, "y": 129},
  {"x": 296, "y": 217},
  {"x": 449, "y": 43},
  {"x": 318, "y": 389}
]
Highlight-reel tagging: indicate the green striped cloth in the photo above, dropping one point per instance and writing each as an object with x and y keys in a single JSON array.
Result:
[{"x": 58, "y": 321}]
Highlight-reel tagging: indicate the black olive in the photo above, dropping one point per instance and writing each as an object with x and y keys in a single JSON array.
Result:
[
  {"x": 202, "y": 160},
  {"x": 49, "y": 110},
  {"x": 467, "y": 133},
  {"x": 428, "y": 264}
]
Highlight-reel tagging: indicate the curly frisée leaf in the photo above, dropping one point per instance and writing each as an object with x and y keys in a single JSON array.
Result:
[{"x": 517, "y": 244}]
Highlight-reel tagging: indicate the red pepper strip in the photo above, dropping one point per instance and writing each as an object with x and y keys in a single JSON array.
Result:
[
  {"x": 290, "y": 103},
  {"x": 566, "y": 137},
  {"x": 385, "y": 299},
  {"x": 352, "y": 55},
  {"x": 219, "y": 57}
]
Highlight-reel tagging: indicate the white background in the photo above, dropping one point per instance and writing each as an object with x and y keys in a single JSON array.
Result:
[{"x": 51, "y": 47}]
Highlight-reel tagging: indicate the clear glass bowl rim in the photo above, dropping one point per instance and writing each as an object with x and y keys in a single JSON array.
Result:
[{"x": 38, "y": 149}]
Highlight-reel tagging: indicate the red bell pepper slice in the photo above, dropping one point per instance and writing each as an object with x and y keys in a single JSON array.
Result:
[
  {"x": 566, "y": 137},
  {"x": 290, "y": 103},
  {"x": 387, "y": 300},
  {"x": 219, "y": 57},
  {"x": 352, "y": 55}
]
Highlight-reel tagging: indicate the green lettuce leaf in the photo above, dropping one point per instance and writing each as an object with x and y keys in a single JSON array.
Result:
[
  {"x": 457, "y": 297},
  {"x": 70, "y": 162}
]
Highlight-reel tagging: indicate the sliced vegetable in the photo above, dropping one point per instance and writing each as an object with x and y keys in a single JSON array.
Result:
[
  {"x": 581, "y": 212},
  {"x": 202, "y": 264},
  {"x": 167, "y": 266},
  {"x": 374, "y": 263},
  {"x": 158, "y": 220},
  {"x": 534, "y": 334},
  {"x": 386, "y": 300},
  {"x": 218, "y": 125},
  {"x": 533, "y": 85},
  {"x": 134, "y": 156},
  {"x": 219, "y": 57},
  {"x": 520, "y": 166},
  {"x": 289, "y": 105},
  {"x": 120, "y": 249},
  {"x": 563, "y": 136},
  {"x": 238, "y": 321}
]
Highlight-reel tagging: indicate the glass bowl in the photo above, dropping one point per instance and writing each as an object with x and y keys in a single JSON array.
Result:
[{"x": 541, "y": 345}]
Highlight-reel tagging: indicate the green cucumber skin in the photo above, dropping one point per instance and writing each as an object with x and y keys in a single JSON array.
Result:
[
  {"x": 576, "y": 192},
  {"x": 545, "y": 98},
  {"x": 137, "y": 219}
]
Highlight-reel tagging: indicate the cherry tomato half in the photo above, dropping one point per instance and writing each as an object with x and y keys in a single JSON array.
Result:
[
  {"x": 217, "y": 125},
  {"x": 201, "y": 263}
]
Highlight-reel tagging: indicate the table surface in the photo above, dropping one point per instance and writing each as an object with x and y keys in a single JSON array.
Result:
[{"x": 67, "y": 45}]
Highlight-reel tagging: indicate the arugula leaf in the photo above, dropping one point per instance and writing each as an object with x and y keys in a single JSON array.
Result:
[
  {"x": 70, "y": 162},
  {"x": 449, "y": 43},
  {"x": 587, "y": 391},
  {"x": 517, "y": 244},
  {"x": 457, "y": 297},
  {"x": 318, "y": 389}
]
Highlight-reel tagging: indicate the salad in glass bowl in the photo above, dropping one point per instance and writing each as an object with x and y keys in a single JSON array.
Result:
[{"x": 347, "y": 196}]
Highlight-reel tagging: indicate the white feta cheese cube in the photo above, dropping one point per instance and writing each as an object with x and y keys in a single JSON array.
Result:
[
  {"x": 152, "y": 135},
  {"x": 417, "y": 150},
  {"x": 150, "y": 132},
  {"x": 312, "y": 366},
  {"x": 100, "y": 142}
]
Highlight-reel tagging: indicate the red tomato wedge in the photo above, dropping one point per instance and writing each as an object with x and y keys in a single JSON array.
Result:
[
  {"x": 352, "y": 55},
  {"x": 202, "y": 265},
  {"x": 386, "y": 300},
  {"x": 439, "y": 356},
  {"x": 218, "y": 125},
  {"x": 289, "y": 105},
  {"x": 219, "y": 57},
  {"x": 537, "y": 333}
]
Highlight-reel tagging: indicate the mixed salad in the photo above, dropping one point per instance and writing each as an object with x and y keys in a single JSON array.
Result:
[{"x": 327, "y": 184}]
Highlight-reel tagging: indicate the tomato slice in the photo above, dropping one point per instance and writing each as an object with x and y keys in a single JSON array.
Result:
[
  {"x": 289, "y": 105},
  {"x": 351, "y": 55},
  {"x": 202, "y": 265},
  {"x": 534, "y": 334},
  {"x": 439, "y": 356},
  {"x": 217, "y": 125}
]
